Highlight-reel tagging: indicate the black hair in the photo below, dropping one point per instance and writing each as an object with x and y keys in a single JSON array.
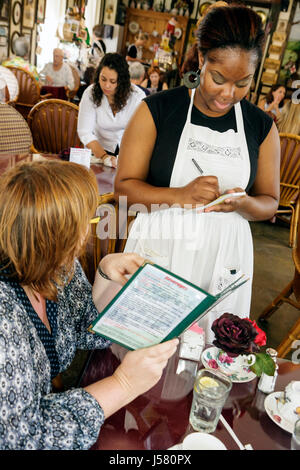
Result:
[{"x": 117, "y": 62}]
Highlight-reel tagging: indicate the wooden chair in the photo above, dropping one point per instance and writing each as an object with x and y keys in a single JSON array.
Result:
[
  {"x": 290, "y": 183},
  {"x": 109, "y": 228},
  {"x": 293, "y": 287},
  {"x": 53, "y": 124},
  {"x": 15, "y": 135},
  {"x": 72, "y": 93},
  {"x": 29, "y": 90}
]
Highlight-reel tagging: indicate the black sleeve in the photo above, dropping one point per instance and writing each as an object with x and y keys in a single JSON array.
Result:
[
  {"x": 132, "y": 51},
  {"x": 257, "y": 126},
  {"x": 168, "y": 109},
  {"x": 103, "y": 45}
]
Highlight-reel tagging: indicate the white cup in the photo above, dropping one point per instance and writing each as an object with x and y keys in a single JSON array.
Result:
[
  {"x": 292, "y": 390},
  {"x": 202, "y": 441}
]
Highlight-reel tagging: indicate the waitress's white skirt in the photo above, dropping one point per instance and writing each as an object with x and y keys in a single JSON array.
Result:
[{"x": 208, "y": 249}]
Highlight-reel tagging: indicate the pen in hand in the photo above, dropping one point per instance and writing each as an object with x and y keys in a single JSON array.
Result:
[{"x": 197, "y": 166}]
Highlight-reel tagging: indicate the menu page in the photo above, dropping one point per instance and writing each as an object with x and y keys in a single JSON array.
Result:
[{"x": 148, "y": 309}]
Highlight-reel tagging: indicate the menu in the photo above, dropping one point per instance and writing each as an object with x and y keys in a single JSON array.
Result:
[{"x": 154, "y": 306}]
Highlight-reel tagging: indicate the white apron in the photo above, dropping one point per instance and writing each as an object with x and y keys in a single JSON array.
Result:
[{"x": 208, "y": 249}]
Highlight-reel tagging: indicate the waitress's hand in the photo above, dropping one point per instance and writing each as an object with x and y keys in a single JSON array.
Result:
[
  {"x": 201, "y": 190},
  {"x": 230, "y": 204}
]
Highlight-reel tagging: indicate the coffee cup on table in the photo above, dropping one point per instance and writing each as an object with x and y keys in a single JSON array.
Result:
[{"x": 202, "y": 441}]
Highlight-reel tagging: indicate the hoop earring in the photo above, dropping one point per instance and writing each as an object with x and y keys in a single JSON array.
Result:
[{"x": 191, "y": 79}]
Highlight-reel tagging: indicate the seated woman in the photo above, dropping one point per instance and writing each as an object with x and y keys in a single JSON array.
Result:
[
  {"x": 273, "y": 102},
  {"x": 21, "y": 48},
  {"x": 106, "y": 107},
  {"x": 58, "y": 73},
  {"x": 154, "y": 82},
  {"x": 46, "y": 307}
]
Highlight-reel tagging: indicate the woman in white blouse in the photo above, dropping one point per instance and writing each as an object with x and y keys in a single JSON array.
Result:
[{"x": 106, "y": 107}]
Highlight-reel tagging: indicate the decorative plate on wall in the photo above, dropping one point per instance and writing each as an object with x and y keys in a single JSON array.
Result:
[
  {"x": 17, "y": 13},
  {"x": 178, "y": 33},
  {"x": 133, "y": 27}
]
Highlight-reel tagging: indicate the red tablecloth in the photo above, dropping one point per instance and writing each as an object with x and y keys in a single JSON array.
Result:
[{"x": 58, "y": 92}]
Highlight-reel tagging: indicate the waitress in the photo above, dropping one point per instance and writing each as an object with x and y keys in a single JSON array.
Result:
[
  {"x": 186, "y": 146},
  {"x": 106, "y": 107}
]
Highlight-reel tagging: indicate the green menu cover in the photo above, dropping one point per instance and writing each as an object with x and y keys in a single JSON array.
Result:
[{"x": 155, "y": 305}]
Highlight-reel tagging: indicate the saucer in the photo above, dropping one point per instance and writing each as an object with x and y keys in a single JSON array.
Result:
[
  {"x": 281, "y": 412},
  {"x": 176, "y": 447},
  {"x": 209, "y": 361}
]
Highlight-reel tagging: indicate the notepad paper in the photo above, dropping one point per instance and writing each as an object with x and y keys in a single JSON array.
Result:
[{"x": 222, "y": 198}]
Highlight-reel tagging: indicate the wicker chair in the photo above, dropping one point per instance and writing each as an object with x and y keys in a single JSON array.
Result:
[
  {"x": 109, "y": 228},
  {"x": 293, "y": 287},
  {"x": 290, "y": 183},
  {"x": 15, "y": 135},
  {"x": 29, "y": 90},
  {"x": 53, "y": 124}
]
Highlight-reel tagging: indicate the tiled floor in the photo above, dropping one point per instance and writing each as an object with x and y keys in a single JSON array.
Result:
[{"x": 273, "y": 270}]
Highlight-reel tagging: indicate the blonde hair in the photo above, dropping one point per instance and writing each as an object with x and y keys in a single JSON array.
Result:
[
  {"x": 289, "y": 119},
  {"x": 45, "y": 208}
]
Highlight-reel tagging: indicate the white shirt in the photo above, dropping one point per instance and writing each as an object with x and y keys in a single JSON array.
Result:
[
  {"x": 11, "y": 82},
  {"x": 61, "y": 77},
  {"x": 99, "y": 123}
]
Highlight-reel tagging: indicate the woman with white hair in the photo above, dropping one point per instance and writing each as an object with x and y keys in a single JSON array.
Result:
[
  {"x": 58, "y": 73},
  {"x": 137, "y": 75},
  {"x": 21, "y": 48}
]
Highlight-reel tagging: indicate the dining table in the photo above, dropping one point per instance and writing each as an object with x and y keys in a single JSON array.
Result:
[
  {"x": 159, "y": 419},
  {"x": 105, "y": 175}
]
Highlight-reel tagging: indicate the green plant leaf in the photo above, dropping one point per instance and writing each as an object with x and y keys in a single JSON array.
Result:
[{"x": 264, "y": 363}]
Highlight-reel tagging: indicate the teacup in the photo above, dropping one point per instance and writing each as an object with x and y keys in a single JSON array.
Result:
[
  {"x": 202, "y": 441},
  {"x": 234, "y": 365},
  {"x": 292, "y": 391}
]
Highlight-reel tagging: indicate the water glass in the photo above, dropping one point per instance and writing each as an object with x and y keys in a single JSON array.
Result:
[
  {"x": 295, "y": 443},
  {"x": 211, "y": 389}
]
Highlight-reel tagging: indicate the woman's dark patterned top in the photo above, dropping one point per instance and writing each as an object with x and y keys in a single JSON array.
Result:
[{"x": 31, "y": 416}]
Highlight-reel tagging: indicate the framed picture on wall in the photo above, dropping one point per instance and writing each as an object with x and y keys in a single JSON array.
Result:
[
  {"x": 41, "y": 11},
  {"x": 110, "y": 12},
  {"x": 4, "y": 10},
  {"x": 28, "y": 13},
  {"x": 17, "y": 13}
]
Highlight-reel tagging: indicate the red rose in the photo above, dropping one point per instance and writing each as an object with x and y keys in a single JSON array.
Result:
[{"x": 261, "y": 337}]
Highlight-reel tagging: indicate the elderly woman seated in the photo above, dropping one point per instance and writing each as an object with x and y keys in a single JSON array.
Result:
[
  {"x": 21, "y": 48},
  {"x": 58, "y": 73}
]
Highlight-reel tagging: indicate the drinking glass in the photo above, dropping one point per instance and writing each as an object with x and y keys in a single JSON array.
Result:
[
  {"x": 295, "y": 443},
  {"x": 211, "y": 389}
]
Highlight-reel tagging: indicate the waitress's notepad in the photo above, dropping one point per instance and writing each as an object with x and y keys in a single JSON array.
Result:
[{"x": 154, "y": 306}]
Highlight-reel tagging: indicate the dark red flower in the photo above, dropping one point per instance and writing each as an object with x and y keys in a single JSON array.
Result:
[{"x": 235, "y": 335}]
